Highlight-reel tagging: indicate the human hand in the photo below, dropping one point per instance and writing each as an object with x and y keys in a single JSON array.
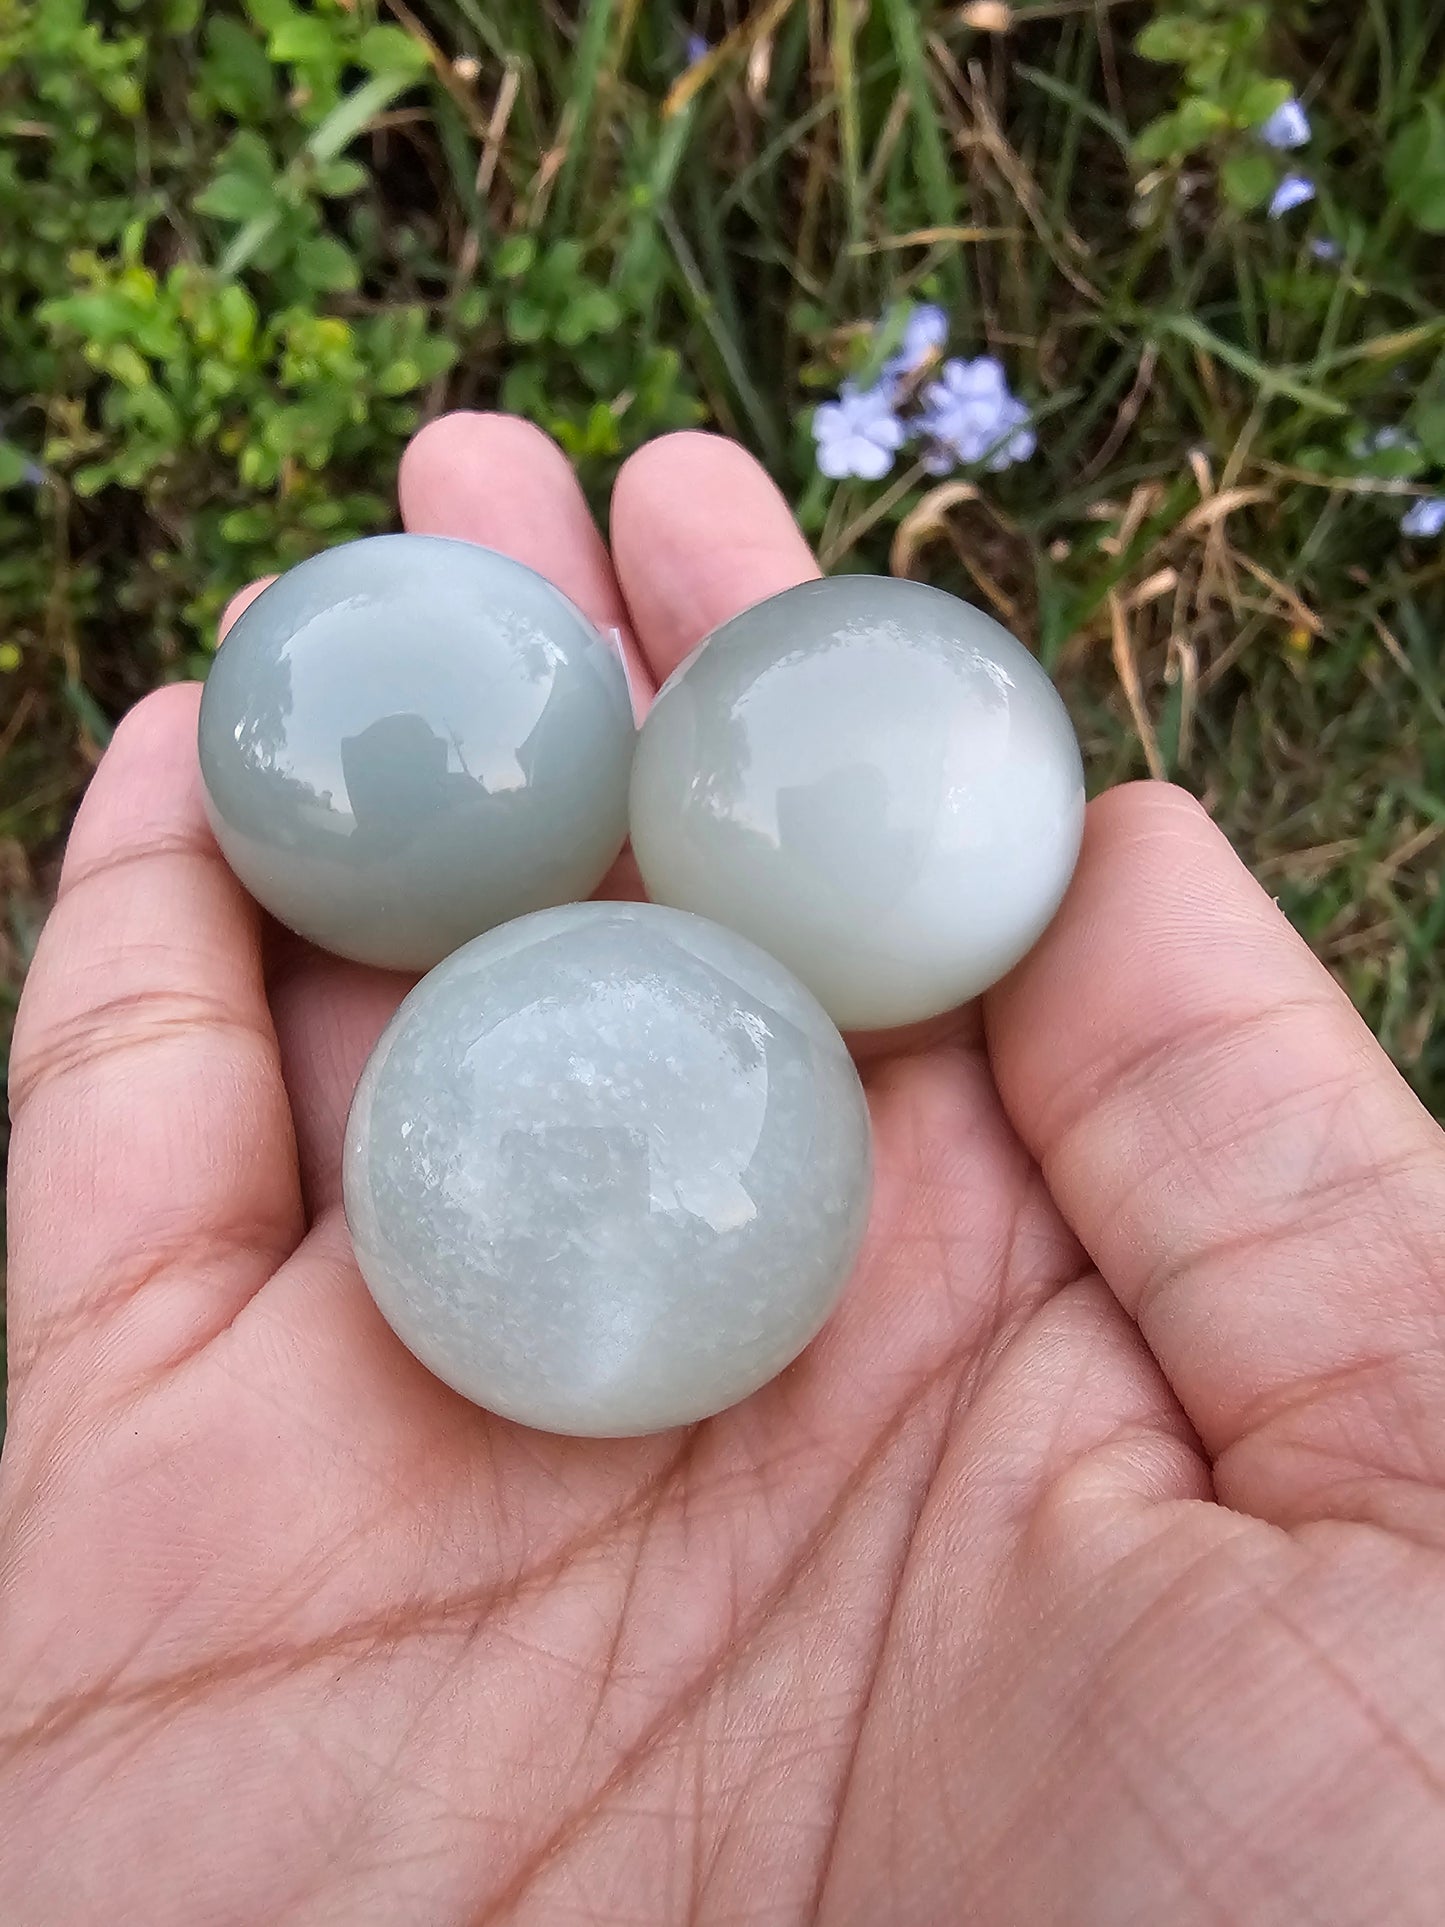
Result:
[{"x": 1089, "y": 1568}]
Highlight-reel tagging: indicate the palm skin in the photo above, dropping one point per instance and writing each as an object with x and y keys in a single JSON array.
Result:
[{"x": 1087, "y": 1569}]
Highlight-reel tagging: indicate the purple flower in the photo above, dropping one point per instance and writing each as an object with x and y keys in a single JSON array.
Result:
[
  {"x": 1287, "y": 127},
  {"x": 1425, "y": 520},
  {"x": 924, "y": 334},
  {"x": 1295, "y": 190},
  {"x": 970, "y": 416},
  {"x": 859, "y": 434},
  {"x": 1326, "y": 250},
  {"x": 695, "y": 49}
]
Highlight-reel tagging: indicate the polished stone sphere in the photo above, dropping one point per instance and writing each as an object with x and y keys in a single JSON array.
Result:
[
  {"x": 872, "y": 780},
  {"x": 408, "y": 740},
  {"x": 608, "y": 1169}
]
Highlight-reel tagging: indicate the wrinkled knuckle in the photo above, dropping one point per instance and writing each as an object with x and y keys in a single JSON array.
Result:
[{"x": 47, "y": 1054}]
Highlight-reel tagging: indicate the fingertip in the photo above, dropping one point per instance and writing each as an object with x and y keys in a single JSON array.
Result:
[
  {"x": 238, "y": 605},
  {"x": 691, "y": 475},
  {"x": 449, "y": 459},
  {"x": 657, "y": 465},
  {"x": 505, "y": 484},
  {"x": 157, "y": 720},
  {"x": 1149, "y": 808},
  {"x": 700, "y": 531}
]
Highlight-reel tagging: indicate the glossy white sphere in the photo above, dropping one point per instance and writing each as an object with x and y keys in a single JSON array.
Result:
[
  {"x": 872, "y": 780},
  {"x": 407, "y": 740},
  {"x": 607, "y": 1169}
]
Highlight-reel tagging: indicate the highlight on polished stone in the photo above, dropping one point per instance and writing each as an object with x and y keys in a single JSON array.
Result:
[
  {"x": 407, "y": 740},
  {"x": 608, "y": 1169},
  {"x": 875, "y": 782}
]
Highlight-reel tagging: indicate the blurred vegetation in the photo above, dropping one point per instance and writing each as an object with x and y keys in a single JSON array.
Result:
[{"x": 245, "y": 248}]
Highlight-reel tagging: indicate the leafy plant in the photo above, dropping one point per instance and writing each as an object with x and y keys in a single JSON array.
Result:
[
  {"x": 566, "y": 322},
  {"x": 205, "y": 313},
  {"x": 1219, "y": 45},
  {"x": 1227, "y": 91},
  {"x": 1415, "y": 168}
]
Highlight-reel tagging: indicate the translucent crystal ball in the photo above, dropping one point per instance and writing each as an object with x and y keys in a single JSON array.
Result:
[
  {"x": 407, "y": 740},
  {"x": 608, "y": 1169},
  {"x": 872, "y": 780}
]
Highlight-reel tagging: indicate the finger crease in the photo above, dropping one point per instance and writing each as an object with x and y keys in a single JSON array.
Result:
[{"x": 122, "y": 1025}]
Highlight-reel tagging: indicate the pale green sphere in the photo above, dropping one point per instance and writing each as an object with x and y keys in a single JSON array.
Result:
[
  {"x": 608, "y": 1169},
  {"x": 407, "y": 740},
  {"x": 872, "y": 780}
]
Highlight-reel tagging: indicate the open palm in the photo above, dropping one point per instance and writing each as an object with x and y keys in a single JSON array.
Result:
[{"x": 1089, "y": 1568}]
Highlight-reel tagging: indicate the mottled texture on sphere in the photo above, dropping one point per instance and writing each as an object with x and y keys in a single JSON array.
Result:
[
  {"x": 407, "y": 740},
  {"x": 608, "y": 1169},
  {"x": 872, "y": 780}
]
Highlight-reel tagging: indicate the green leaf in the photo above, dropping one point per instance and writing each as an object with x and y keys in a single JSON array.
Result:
[
  {"x": 1247, "y": 180},
  {"x": 1429, "y": 425},
  {"x": 234, "y": 196},
  {"x": 515, "y": 257},
  {"x": 434, "y": 357},
  {"x": 1425, "y": 204},
  {"x": 526, "y": 319},
  {"x": 1199, "y": 120},
  {"x": 325, "y": 264},
  {"x": 1258, "y": 99},
  {"x": 248, "y": 154},
  {"x": 1160, "y": 141},
  {"x": 1415, "y": 168},
  {"x": 270, "y": 15},
  {"x": 473, "y": 308},
  {"x": 15, "y": 467},
  {"x": 1171, "y": 40},
  {"x": 305, "y": 41},
  {"x": 257, "y": 241},
  {"x": 236, "y": 73},
  {"x": 337, "y": 178},
  {"x": 391, "y": 50},
  {"x": 399, "y": 378},
  {"x": 1318, "y": 459},
  {"x": 594, "y": 312},
  {"x": 97, "y": 319},
  {"x": 1401, "y": 464},
  {"x": 129, "y": 367},
  {"x": 560, "y": 271},
  {"x": 1419, "y": 147}
]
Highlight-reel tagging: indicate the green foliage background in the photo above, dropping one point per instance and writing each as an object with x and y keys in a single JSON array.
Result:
[{"x": 244, "y": 249}]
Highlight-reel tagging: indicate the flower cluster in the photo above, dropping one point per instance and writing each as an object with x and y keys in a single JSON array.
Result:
[
  {"x": 1287, "y": 129},
  {"x": 967, "y": 416}
]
